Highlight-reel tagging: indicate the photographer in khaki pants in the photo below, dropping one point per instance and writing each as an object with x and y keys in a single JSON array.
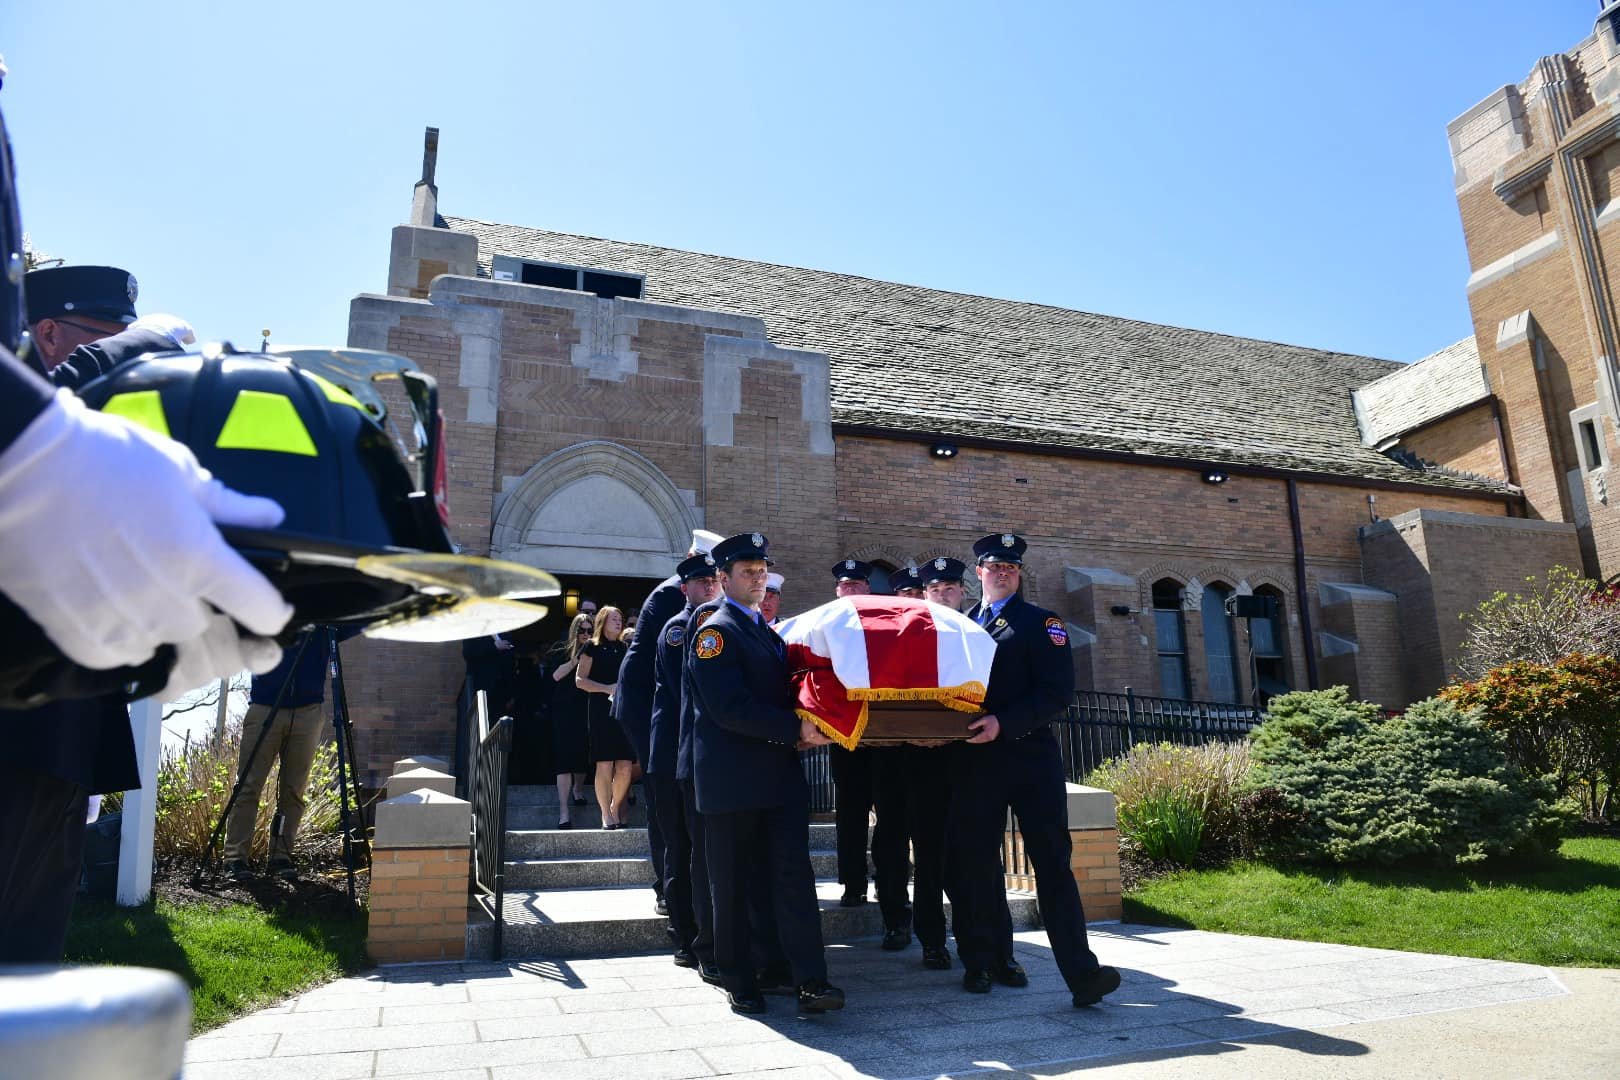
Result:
[{"x": 294, "y": 737}]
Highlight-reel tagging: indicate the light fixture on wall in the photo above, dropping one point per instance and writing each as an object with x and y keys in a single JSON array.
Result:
[
  {"x": 943, "y": 450},
  {"x": 571, "y": 603},
  {"x": 1214, "y": 474}
]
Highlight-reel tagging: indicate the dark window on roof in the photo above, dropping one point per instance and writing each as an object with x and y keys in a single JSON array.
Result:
[
  {"x": 603, "y": 283},
  {"x": 555, "y": 277},
  {"x": 608, "y": 285},
  {"x": 1170, "y": 634}
]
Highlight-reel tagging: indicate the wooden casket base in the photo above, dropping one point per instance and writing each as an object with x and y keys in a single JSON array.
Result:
[{"x": 891, "y": 723}]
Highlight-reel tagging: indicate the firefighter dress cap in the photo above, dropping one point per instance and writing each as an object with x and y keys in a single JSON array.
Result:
[
  {"x": 696, "y": 566},
  {"x": 907, "y": 577},
  {"x": 852, "y": 570},
  {"x": 773, "y": 582},
  {"x": 91, "y": 292},
  {"x": 741, "y": 546},
  {"x": 943, "y": 569},
  {"x": 703, "y": 540},
  {"x": 1001, "y": 547}
]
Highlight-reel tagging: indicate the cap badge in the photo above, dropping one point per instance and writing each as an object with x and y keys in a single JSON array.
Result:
[
  {"x": 1006, "y": 539},
  {"x": 758, "y": 540},
  {"x": 133, "y": 287},
  {"x": 849, "y": 564},
  {"x": 708, "y": 560},
  {"x": 939, "y": 564}
]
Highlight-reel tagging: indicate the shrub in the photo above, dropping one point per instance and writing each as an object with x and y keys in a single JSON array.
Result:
[
  {"x": 1166, "y": 825},
  {"x": 194, "y": 783},
  {"x": 1153, "y": 780},
  {"x": 1560, "y": 720},
  {"x": 1564, "y": 614},
  {"x": 1433, "y": 784}
]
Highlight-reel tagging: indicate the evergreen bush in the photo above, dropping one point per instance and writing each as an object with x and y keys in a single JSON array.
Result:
[{"x": 1433, "y": 784}]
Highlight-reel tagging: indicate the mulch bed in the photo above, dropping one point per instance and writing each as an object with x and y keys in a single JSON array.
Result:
[{"x": 321, "y": 889}]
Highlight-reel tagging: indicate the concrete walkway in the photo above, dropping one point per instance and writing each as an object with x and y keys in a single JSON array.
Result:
[{"x": 1219, "y": 1004}]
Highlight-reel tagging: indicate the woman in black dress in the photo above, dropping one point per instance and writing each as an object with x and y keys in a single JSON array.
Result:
[
  {"x": 570, "y": 747},
  {"x": 596, "y": 674}
]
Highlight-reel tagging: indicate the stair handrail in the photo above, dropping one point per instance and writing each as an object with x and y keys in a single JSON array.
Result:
[{"x": 491, "y": 759}]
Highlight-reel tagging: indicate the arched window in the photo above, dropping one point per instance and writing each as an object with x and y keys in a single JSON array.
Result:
[
  {"x": 1220, "y": 644},
  {"x": 1170, "y": 634},
  {"x": 1268, "y": 637},
  {"x": 880, "y": 575}
]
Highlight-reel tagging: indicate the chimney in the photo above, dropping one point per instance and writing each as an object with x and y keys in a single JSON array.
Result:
[{"x": 425, "y": 197}]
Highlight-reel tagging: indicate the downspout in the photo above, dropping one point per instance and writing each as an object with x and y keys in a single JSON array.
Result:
[{"x": 1300, "y": 589}]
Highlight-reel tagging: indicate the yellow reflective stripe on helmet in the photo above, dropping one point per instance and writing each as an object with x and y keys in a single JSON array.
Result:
[
  {"x": 143, "y": 407},
  {"x": 263, "y": 421},
  {"x": 334, "y": 392}
]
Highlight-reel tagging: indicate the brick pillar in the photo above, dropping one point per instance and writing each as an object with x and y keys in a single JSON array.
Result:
[
  {"x": 1094, "y": 859},
  {"x": 419, "y": 867}
]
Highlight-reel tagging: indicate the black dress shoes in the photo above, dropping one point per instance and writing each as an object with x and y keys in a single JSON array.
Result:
[
  {"x": 747, "y": 1002},
  {"x": 709, "y": 973},
  {"x": 895, "y": 940},
  {"x": 936, "y": 957},
  {"x": 852, "y": 898},
  {"x": 976, "y": 981},
  {"x": 775, "y": 982},
  {"x": 819, "y": 996},
  {"x": 1009, "y": 973},
  {"x": 660, "y": 907},
  {"x": 685, "y": 958},
  {"x": 1103, "y": 981}
]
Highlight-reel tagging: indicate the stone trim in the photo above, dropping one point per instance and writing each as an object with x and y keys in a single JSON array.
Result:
[
  {"x": 1516, "y": 260},
  {"x": 725, "y": 359},
  {"x": 1452, "y": 517}
]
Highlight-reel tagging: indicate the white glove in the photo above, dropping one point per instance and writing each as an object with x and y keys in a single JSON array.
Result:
[
  {"x": 172, "y": 327},
  {"x": 219, "y": 651},
  {"x": 107, "y": 539}
]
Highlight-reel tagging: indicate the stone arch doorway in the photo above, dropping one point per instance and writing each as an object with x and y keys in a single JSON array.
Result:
[{"x": 594, "y": 508}]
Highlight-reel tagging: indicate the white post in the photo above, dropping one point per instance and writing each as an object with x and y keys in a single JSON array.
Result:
[{"x": 140, "y": 806}]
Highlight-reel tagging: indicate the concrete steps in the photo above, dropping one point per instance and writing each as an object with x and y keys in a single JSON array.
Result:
[{"x": 587, "y": 891}]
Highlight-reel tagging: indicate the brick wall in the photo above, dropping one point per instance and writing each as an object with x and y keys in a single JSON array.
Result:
[
  {"x": 418, "y": 906},
  {"x": 1465, "y": 441}
]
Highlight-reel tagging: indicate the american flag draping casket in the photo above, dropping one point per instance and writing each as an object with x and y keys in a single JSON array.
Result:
[{"x": 861, "y": 652}]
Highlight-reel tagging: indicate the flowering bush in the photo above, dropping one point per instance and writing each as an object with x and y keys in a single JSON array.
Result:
[
  {"x": 1173, "y": 800},
  {"x": 1434, "y": 783},
  {"x": 1560, "y": 719},
  {"x": 1564, "y": 614}
]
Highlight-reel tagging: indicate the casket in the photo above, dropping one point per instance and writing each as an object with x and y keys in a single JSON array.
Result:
[
  {"x": 883, "y": 670},
  {"x": 894, "y": 723}
]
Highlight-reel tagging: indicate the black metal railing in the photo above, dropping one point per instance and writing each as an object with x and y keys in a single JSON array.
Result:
[
  {"x": 818, "y": 772},
  {"x": 1099, "y": 726},
  {"x": 490, "y": 759}
]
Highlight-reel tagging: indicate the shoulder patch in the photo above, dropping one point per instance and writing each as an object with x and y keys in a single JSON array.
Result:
[
  {"x": 674, "y": 634},
  {"x": 1056, "y": 632},
  {"x": 701, "y": 616},
  {"x": 708, "y": 644}
]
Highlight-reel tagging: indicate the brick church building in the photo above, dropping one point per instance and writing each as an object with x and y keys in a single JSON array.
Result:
[{"x": 605, "y": 397}]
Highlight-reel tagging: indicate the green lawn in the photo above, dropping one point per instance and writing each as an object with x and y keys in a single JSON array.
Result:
[
  {"x": 235, "y": 957},
  {"x": 1563, "y": 910}
]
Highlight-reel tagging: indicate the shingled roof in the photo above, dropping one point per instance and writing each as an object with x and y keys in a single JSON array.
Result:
[
  {"x": 1421, "y": 392},
  {"x": 902, "y": 355}
]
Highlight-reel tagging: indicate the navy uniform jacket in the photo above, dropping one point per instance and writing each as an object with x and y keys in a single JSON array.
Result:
[
  {"x": 744, "y": 727},
  {"x": 683, "y": 748},
  {"x": 666, "y": 709},
  {"x": 633, "y": 695},
  {"x": 1032, "y": 676}
]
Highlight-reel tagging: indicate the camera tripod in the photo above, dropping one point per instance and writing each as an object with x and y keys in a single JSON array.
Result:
[{"x": 350, "y": 823}]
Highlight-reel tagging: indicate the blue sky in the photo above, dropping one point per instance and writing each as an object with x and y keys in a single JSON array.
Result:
[{"x": 1276, "y": 170}]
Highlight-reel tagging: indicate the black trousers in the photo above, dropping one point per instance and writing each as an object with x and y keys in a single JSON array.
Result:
[
  {"x": 41, "y": 854},
  {"x": 928, "y": 793},
  {"x": 769, "y": 847},
  {"x": 686, "y": 871},
  {"x": 891, "y": 835},
  {"x": 852, "y": 805},
  {"x": 655, "y": 835},
  {"x": 986, "y": 782}
]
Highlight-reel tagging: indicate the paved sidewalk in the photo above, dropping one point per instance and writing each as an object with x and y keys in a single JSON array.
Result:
[{"x": 1189, "y": 999}]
